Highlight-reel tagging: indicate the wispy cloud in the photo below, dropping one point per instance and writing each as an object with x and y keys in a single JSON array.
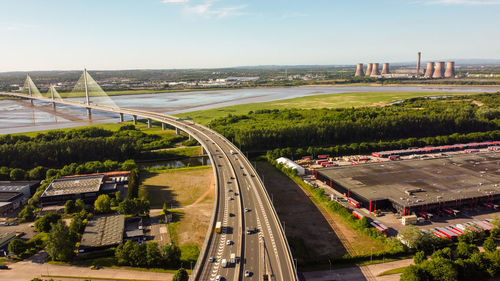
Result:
[
  {"x": 462, "y": 2},
  {"x": 15, "y": 26},
  {"x": 208, "y": 9}
]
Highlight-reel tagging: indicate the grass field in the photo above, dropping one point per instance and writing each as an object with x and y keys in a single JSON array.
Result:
[
  {"x": 191, "y": 189},
  {"x": 393, "y": 271},
  {"x": 182, "y": 186},
  {"x": 110, "y": 126},
  {"x": 311, "y": 102}
]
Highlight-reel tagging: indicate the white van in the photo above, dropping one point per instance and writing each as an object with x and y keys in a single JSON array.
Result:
[{"x": 224, "y": 263}]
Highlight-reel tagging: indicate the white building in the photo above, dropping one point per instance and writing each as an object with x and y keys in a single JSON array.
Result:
[{"x": 290, "y": 164}]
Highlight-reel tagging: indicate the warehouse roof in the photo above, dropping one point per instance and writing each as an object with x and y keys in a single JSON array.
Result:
[
  {"x": 418, "y": 182},
  {"x": 15, "y": 186},
  {"x": 9, "y": 196},
  {"x": 74, "y": 185},
  {"x": 103, "y": 231},
  {"x": 5, "y": 237}
]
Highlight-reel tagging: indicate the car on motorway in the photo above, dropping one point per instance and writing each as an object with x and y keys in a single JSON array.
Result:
[
  {"x": 229, "y": 242},
  {"x": 244, "y": 174},
  {"x": 235, "y": 193},
  {"x": 211, "y": 259},
  {"x": 247, "y": 273},
  {"x": 232, "y": 177},
  {"x": 249, "y": 231},
  {"x": 230, "y": 198},
  {"x": 231, "y": 214},
  {"x": 252, "y": 175},
  {"x": 247, "y": 210},
  {"x": 230, "y": 190},
  {"x": 219, "y": 278}
]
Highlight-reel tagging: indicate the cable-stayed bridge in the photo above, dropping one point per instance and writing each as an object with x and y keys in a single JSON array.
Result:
[{"x": 250, "y": 230}]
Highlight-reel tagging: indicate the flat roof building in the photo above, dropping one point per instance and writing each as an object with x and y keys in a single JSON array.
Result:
[
  {"x": 63, "y": 189},
  {"x": 103, "y": 232},
  {"x": 26, "y": 187},
  {"x": 414, "y": 185}
]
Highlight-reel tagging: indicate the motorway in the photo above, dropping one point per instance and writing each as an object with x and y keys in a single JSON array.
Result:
[{"x": 264, "y": 251}]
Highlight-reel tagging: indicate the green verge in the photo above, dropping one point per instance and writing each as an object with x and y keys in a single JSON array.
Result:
[
  {"x": 393, "y": 271},
  {"x": 341, "y": 100}
]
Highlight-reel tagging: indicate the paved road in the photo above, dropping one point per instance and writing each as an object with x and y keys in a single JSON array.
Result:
[
  {"x": 263, "y": 252},
  {"x": 27, "y": 270}
]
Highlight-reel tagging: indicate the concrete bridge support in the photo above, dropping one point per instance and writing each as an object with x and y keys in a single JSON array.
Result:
[
  {"x": 149, "y": 123},
  {"x": 135, "y": 119},
  {"x": 190, "y": 137},
  {"x": 54, "y": 105},
  {"x": 203, "y": 152},
  {"x": 121, "y": 117},
  {"x": 177, "y": 131},
  {"x": 163, "y": 126},
  {"x": 89, "y": 112}
]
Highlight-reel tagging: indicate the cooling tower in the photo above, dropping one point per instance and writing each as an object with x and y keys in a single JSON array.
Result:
[
  {"x": 368, "y": 69},
  {"x": 359, "y": 70},
  {"x": 439, "y": 70},
  {"x": 430, "y": 70},
  {"x": 418, "y": 63},
  {"x": 375, "y": 70},
  {"x": 385, "y": 68},
  {"x": 450, "y": 69}
]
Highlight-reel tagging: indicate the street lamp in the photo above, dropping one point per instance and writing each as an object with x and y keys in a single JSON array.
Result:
[{"x": 330, "y": 264}]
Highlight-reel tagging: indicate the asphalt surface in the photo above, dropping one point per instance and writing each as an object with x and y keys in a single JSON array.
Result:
[{"x": 265, "y": 251}]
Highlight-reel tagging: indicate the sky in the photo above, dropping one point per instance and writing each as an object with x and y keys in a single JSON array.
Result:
[{"x": 166, "y": 34}]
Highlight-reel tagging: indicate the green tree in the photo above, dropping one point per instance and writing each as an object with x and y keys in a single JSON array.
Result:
[
  {"x": 129, "y": 165},
  {"x": 414, "y": 273},
  {"x": 153, "y": 255},
  {"x": 60, "y": 246},
  {"x": 489, "y": 244},
  {"x": 419, "y": 257},
  {"x": 44, "y": 224},
  {"x": 118, "y": 196},
  {"x": 172, "y": 255},
  {"x": 465, "y": 250},
  {"x": 27, "y": 214},
  {"x": 17, "y": 174},
  {"x": 103, "y": 203},
  {"x": 17, "y": 246},
  {"x": 37, "y": 173},
  {"x": 79, "y": 205},
  {"x": 181, "y": 275},
  {"x": 69, "y": 207}
]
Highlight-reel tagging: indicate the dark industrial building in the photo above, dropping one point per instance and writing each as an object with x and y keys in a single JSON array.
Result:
[
  {"x": 102, "y": 232},
  {"x": 15, "y": 194},
  {"x": 85, "y": 187},
  {"x": 464, "y": 180}
]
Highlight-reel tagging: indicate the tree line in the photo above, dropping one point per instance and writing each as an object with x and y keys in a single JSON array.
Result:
[
  {"x": 413, "y": 118},
  {"x": 59, "y": 147},
  {"x": 368, "y": 147}
]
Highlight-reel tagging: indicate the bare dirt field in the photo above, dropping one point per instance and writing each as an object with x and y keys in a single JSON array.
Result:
[{"x": 308, "y": 232}]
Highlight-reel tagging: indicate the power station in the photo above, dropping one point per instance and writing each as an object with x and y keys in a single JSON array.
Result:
[{"x": 434, "y": 70}]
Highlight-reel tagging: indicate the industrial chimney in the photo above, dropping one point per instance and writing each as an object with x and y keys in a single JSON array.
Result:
[
  {"x": 450, "y": 69},
  {"x": 385, "y": 68},
  {"x": 359, "y": 70},
  {"x": 419, "y": 55},
  {"x": 368, "y": 70},
  {"x": 375, "y": 70},
  {"x": 430, "y": 70},
  {"x": 439, "y": 70}
]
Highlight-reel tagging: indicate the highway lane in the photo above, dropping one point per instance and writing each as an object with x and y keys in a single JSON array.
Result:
[{"x": 232, "y": 172}]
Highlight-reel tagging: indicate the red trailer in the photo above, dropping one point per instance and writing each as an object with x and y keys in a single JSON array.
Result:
[
  {"x": 355, "y": 203},
  {"x": 424, "y": 215},
  {"x": 358, "y": 214},
  {"x": 379, "y": 226},
  {"x": 394, "y": 157},
  {"x": 307, "y": 158},
  {"x": 319, "y": 162},
  {"x": 324, "y": 156}
]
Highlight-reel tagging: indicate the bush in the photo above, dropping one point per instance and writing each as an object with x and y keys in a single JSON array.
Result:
[{"x": 44, "y": 224}]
